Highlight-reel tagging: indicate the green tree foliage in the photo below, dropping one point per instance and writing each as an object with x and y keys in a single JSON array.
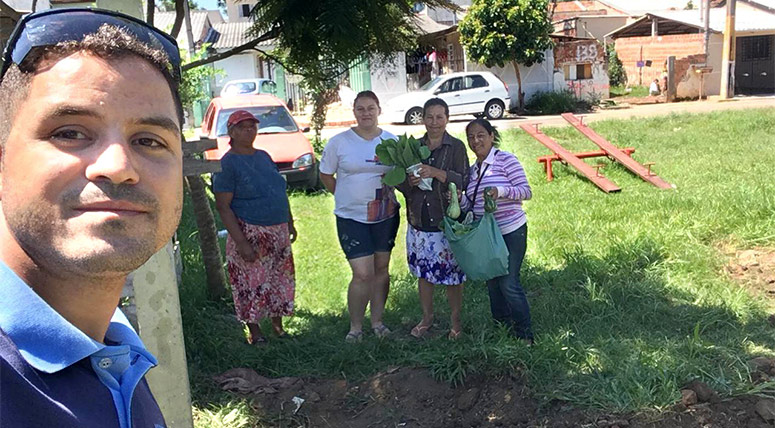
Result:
[
  {"x": 194, "y": 80},
  {"x": 616, "y": 74},
  {"x": 499, "y": 32},
  {"x": 320, "y": 39}
]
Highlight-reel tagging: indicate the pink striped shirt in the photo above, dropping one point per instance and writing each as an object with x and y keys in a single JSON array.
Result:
[{"x": 503, "y": 171}]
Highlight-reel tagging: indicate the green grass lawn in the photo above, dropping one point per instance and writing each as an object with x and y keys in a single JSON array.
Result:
[{"x": 627, "y": 291}]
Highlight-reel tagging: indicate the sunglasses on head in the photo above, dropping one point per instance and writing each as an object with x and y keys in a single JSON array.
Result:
[{"x": 49, "y": 27}]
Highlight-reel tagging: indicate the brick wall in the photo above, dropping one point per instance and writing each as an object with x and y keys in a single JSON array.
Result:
[{"x": 656, "y": 49}]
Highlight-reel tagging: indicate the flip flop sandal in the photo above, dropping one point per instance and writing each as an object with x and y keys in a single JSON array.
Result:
[
  {"x": 353, "y": 337},
  {"x": 381, "y": 331},
  {"x": 419, "y": 331},
  {"x": 455, "y": 334}
]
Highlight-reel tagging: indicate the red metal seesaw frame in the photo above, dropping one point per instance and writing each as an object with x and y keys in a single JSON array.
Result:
[
  {"x": 642, "y": 171},
  {"x": 548, "y": 159},
  {"x": 593, "y": 175}
]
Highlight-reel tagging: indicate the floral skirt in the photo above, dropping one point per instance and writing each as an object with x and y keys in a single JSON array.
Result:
[
  {"x": 431, "y": 259},
  {"x": 263, "y": 288}
]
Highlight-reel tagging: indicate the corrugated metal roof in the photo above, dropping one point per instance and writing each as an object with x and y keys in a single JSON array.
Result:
[
  {"x": 640, "y": 7},
  {"x": 426, "y": 25},
  {"x": 766, "y": 3},
  {"x": 745, "y": 19},
  {"x": 165, "y": 20},
  {"x": 232, "y": 34}
]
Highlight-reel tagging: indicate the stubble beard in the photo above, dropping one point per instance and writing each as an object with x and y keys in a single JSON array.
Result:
[{"x": 112, "y": 248}]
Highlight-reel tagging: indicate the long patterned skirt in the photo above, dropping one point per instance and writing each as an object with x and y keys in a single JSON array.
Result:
[
  {"x": 431, "y": 259},
  {"x": 263, "y": 288}
]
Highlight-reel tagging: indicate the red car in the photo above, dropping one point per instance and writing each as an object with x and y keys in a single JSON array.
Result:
[{"x": 278, "y": 134}]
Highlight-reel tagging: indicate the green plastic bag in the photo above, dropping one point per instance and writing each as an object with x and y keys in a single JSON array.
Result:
[{"x": 481, "y": 252}]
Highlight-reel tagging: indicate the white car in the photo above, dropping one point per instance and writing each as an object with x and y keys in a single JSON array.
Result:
[
  {"x": 249, "y": 87},
  {"x": 480, "y": 93}
]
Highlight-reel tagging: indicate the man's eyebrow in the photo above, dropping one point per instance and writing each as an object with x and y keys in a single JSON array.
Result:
[
  {"x": 161, "y": 122},
  {"x": 68, "y": 110}
]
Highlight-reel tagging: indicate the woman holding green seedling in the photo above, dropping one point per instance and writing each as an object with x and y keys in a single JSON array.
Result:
[
  {"x": 499, "y": 176},
  {"x": 428, "y": 254},
  {"x": 366, "y": 213}
]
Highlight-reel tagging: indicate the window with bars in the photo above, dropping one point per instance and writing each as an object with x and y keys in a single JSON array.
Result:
[{"x": 757, "y": 48}]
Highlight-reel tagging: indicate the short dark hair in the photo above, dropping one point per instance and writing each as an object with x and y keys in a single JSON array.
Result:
[
  {"x": 484, "y": 123},
  {"x": 435, "y": 102},
  {"x": 366, "y": 94},
  {"x": 109, "y": 42}
]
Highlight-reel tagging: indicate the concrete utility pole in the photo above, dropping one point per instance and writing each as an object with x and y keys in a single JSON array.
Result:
[
  {"x": 727, "y": 89},
  {"x": 706, "y": 28}
]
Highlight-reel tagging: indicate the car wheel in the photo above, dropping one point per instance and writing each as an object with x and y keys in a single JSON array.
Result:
[
  {"x": 414, "y": 116},
  {"x": 494, "y": 109}
]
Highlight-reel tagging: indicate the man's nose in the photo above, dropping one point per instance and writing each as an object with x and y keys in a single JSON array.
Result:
[{"x": 115, "y": 163}]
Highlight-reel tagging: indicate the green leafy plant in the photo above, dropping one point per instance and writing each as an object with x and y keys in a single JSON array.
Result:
[
  {"x": 616, "y": 74},
  {"x": 400, "y": 154},
  {"x": 555, "y": 102},
  {"x": 499, "y": 32}
]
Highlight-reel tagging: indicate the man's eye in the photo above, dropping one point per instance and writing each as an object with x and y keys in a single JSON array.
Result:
[
  {"x": 69, "y": 134},
  {"x": 149, "y": 142}
]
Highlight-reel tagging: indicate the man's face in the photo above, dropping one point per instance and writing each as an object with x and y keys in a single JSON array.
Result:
[{"x": 91, "y": 178}]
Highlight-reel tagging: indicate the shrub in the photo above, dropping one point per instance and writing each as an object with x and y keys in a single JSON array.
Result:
[
  {"x": 616, "y": 74},
  {"x": 556, "y": 102}
]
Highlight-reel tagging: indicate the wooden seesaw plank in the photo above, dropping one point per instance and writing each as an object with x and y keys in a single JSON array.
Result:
[
  {"x": 603, "y": 183},
  {"x": 617, "y": 154}
]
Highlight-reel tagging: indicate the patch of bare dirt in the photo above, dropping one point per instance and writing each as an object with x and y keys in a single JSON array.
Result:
[
  {"x": 755, "y": 270},
  {"x": 409, "y": 397}
]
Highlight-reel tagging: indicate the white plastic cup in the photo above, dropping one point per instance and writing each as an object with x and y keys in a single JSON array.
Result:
[{"x": 425, "y": 183}]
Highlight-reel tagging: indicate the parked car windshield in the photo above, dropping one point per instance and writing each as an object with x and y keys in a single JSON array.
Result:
[
  {"x": 272, "y": 119},
  {"x": 239, "y": 88},
  {"x": 430, "y": 84}
]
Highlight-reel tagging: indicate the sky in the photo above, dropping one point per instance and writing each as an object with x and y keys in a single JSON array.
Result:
[{"x": 208, "y": 4}]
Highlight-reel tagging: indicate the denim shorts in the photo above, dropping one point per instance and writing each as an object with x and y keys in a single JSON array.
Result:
[{"x": 364, "y": 239}]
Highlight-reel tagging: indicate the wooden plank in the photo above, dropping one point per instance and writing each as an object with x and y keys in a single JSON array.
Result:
[
  {"x": 617, "y": 154},
  {"x": 600, "y": 181},
  {"x": 193, "y": 166},
  {"x": 585, "y": 155},
  {"x": 199, "y": 146}
]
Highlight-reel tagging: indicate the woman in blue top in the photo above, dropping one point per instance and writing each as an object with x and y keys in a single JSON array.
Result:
[{"x": 251, "y": 199}]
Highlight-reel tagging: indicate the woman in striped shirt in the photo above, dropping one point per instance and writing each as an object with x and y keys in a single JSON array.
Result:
[{"x": 501, "y": 175}]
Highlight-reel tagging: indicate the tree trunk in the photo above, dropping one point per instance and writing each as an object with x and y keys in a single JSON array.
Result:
[
  {"x": 208, "y": 237},
  {"x": 179, "y": 15},
  {"x": 520, "y": 94},
  {"x": 150, "y": 9}
]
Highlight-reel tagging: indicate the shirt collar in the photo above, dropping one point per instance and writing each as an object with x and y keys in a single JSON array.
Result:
[
  {"x": 45, "y": 339},
  {"x": 490, "y": 159},
  {"x": 446, "y": 139}
]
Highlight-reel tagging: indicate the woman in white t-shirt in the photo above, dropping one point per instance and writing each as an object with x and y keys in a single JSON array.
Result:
[{"x": 366, "y": 212}]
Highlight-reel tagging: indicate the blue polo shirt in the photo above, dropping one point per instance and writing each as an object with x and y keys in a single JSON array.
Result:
[
  {"x": 258, "y": 189},
  {"x": 54, "y": 375}
]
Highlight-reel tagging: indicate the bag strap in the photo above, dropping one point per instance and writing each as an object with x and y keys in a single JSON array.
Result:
[{"x": 479, "y": 181}]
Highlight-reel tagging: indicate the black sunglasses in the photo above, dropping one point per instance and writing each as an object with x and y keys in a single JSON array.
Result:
[{"x": 49, "y": 27}]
